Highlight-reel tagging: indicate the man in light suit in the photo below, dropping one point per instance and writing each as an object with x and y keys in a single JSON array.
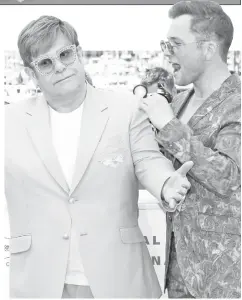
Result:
[{"x": 73, "y": 157}]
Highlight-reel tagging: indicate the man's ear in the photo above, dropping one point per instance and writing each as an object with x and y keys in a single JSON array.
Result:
[
  {"x": 210, "y": 49},
  {"x": 30, "y": 72},
  {"x": 79, "y": 53}
]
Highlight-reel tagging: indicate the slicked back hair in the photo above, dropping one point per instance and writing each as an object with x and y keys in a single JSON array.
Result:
[{"x": 208, "y": 21}]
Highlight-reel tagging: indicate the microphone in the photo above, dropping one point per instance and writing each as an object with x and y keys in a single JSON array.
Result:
[{"x": 141, "y": 91}]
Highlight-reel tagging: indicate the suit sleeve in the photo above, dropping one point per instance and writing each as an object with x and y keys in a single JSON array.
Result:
[
  {"x": 151, "y": 167},
  {"x": 216, "y": 167}
]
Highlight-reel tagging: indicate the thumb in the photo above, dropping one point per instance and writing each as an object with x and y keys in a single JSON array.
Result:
[
  {"x": 172, "y": 203},
  {"x": 143, "y": 107},
  {"x": 185, "y": 168}
]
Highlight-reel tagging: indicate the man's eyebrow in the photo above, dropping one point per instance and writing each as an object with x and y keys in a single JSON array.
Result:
[{"x": 174, "y": 38}]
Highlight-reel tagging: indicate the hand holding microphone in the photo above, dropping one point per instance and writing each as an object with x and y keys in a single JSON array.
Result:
[
  {"x": 141, "y": 91},
  {"x": 155, "y": 105}
]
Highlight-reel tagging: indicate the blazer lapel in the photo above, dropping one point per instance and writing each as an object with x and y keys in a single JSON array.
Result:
[
  {"x": 38, "y": 127},
  {"x": 180, "y": 102},
  {"x": 94, "y": 120},
  {"x": 217, "y": 97}
]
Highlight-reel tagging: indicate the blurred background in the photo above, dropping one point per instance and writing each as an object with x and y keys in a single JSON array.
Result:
[{"x": 111, "y": 69}]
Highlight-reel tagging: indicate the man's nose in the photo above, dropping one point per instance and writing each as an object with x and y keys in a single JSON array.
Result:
[
  {"x": 59, "y": 66},
  {"x": 167, "y": 54}
]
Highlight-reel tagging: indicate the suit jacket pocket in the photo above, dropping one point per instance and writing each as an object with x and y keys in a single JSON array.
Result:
[
  {"x": 219, "y": 223},
  {"x": 130, "y": 235},
  {"x": 20, "y": 243}
]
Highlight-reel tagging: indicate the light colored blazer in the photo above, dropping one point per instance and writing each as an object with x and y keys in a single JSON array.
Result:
[{"x": 117, "y": 145}]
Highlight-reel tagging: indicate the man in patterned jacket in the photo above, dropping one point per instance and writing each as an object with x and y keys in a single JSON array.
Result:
[{"x": 203, "y": 125}]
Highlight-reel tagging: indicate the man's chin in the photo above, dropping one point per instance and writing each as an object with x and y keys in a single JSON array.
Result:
[
  {"x": 66, "y": 89},
  {"x": 181, "y": 81}
]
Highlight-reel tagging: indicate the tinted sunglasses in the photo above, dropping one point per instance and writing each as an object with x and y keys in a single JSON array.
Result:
[{"x": 45, "y": 64}]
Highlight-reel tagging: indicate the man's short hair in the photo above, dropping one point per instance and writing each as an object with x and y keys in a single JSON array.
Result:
[
  {"x": 208, "y": 20},
  {"x": 40, "y": 34}
]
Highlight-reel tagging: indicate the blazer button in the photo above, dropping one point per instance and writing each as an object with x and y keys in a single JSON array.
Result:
[
  {"x": 65, "y": 236},
  {"x": 72, "y": 200}
]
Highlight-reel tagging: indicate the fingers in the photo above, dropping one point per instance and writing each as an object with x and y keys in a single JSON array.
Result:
[
  {"x": 143, "y": 106},
  {"x": 178, "y": 198},
  {"x": 177, "y": 186},
  {"x": 182, "y": 191},
  {"x": 148, "y": 100},
  {"x": 186, "y": 167},
  {"x": 172, "y": 203},
  {"x": 143, "y": 101},
  {"x": 186, "y": 185}
]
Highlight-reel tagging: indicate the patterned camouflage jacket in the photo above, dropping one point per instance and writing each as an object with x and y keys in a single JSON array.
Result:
[{"x": 207, "y": 229}]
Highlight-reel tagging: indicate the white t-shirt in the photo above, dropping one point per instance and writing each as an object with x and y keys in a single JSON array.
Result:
[{"x": 65, "y": 137}]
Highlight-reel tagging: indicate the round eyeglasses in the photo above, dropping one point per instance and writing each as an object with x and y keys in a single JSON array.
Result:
[
  {"x": 45, "y": 64},
  {"x": 167, "y": 46}
]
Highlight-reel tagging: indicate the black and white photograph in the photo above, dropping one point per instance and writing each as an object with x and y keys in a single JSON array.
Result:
[{"x": 121, "y": 150}]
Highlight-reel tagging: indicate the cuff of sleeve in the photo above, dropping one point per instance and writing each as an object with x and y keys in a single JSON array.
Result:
[
  {"x": 166, "y": 206},
  {"x": 171, "y": 132},
  {"x": 163, "y": 202}
]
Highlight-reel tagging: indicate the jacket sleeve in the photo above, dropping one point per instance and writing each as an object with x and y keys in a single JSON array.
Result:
[
  {"x": 151, "y": 167},
  {"x": 216, "y": 167}
]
